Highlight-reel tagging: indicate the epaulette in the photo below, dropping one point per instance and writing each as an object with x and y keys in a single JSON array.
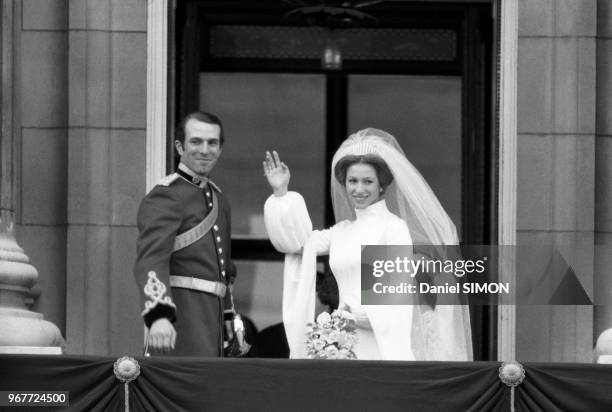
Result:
[
  {"x": 214, "y": 186},
  {"x": 168, "y": 180}
]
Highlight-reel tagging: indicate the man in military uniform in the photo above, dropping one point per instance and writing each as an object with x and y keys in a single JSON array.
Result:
[{"x": 183, "y": 264}]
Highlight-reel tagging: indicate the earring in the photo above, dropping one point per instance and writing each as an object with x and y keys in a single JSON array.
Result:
[{"x": 381, "y": 190}]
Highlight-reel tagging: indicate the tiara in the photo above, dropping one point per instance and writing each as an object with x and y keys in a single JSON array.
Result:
[{"x": 362, "y": 148}]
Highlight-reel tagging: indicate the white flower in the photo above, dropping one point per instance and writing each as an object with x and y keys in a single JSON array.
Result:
[
  {"x": 323, "y": 319},
  {"x": 331, "y": 336},
  {"x": 343, "y": 314},
  {"x": 344, "y": 340},
  {"x": 318, "y": 344},
  {"x": 331, "y": 352},
  {"x": 334, "y": 336}
]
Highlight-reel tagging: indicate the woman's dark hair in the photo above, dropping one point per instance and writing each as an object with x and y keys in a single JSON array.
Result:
[
  {"x": 385, "y": 177},
  {"x": 202, "y": 117}
]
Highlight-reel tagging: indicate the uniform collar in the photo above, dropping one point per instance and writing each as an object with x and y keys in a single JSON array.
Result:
[{"x": 188, "y": 174}]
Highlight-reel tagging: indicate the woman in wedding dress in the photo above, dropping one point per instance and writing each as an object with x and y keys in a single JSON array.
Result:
[{"x": 376, "y": 202}]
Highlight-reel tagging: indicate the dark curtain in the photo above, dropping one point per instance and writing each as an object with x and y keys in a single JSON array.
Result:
[
  {"x": 565, "y": 387},
  {"x": 196, "y": 384}
]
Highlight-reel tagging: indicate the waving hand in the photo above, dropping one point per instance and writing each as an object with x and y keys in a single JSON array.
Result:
[{"x": 277, "y": 173}]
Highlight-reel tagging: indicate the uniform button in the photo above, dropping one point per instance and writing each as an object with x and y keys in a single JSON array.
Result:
[
  {"x": 218, "y": 238},
  {"x": 222, "y": 261},
  {"x": 223, "y": 272},
  {"x": 216, "y": 227},
  {"x": 208, "y": 194},
  {"x": 210, "y": 205},
  {"x": 220, "y": 250}
]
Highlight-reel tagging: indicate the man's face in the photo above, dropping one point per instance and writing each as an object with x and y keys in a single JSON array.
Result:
[{"x": 202, "y": 147}]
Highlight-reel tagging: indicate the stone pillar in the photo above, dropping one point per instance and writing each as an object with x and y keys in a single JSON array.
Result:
[
  {"x": 603, "y": 183},
  {"x": 556, "y": 155},
  {"x": 107, "y": 43},
  {"x": 20, "y": 327}
]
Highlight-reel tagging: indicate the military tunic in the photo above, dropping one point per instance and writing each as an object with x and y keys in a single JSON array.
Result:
[{"x": 179, "y": 203}]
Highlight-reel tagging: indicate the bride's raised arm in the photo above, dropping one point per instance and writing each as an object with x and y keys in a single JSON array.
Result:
[
  {"x": 277, "y": 173},
  {"x": 285, "y": 214}
]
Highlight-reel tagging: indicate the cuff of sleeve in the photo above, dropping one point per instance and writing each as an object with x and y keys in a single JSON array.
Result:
[
  {"x": 287, "y": 222},
  {"x": 157, "y": 304},
  {"x": 159, "y": 311}
]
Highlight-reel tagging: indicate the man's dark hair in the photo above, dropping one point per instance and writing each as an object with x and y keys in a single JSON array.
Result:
[{"x": 202, "y": 117}]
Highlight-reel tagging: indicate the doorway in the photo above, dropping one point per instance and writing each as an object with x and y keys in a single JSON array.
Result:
[{"x": 419, "y": 71}]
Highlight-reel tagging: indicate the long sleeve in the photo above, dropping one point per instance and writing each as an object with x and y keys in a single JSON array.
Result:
[
  {"x": 289, "y": 226},
  {"x": 391, "y": 323},
  {"x": 287, "y": 222},
  {"x": 158, "y": 220},
  {"x": 290, "y": 230}
]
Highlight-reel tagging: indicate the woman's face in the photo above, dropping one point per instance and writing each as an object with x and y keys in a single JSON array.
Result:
[{"x": 362, "y": 185}]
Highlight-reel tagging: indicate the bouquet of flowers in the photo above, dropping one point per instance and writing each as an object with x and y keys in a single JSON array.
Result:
[{"x": 332, "y": 336}]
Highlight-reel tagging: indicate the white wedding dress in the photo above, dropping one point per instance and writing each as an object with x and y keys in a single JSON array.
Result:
[
  {"x": 410, "y": 214},
  {"x": 384, "y": 332}
]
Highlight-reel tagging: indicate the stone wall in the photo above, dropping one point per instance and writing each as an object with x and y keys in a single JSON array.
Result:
[
  {"x": 41, "y": 111},
  {"x": 603, "y": 169},
  {"x": 82, "y": 68},
  {"x": 557, "y": 91},
  {"x": 106, "y": 172}
]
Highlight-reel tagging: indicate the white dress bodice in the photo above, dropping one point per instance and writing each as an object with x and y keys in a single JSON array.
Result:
[
  {"x": 290, "y": 231},
  {"x": 374, "y": 225}
]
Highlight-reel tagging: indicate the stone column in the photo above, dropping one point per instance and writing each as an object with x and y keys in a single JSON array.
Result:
[
  {"x": 603, "y": 184},
  {"x": 107, "y": 43},
  {"x": 20, "y": 327},
  {"x": 555, "y": 172}
]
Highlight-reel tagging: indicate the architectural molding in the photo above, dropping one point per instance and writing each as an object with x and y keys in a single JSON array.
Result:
[
  {"x": 157, "y": 90},
  {"x": 6, "y": 106},
  {"x": 507, "y": 192},
  {"x": 19, "y": 325}
]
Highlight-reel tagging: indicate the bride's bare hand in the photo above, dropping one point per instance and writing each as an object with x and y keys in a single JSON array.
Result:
[{"x": 277, "y": 173}]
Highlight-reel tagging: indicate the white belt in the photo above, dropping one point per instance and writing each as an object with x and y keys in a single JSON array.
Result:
[{"x": 203, "y": 285}]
